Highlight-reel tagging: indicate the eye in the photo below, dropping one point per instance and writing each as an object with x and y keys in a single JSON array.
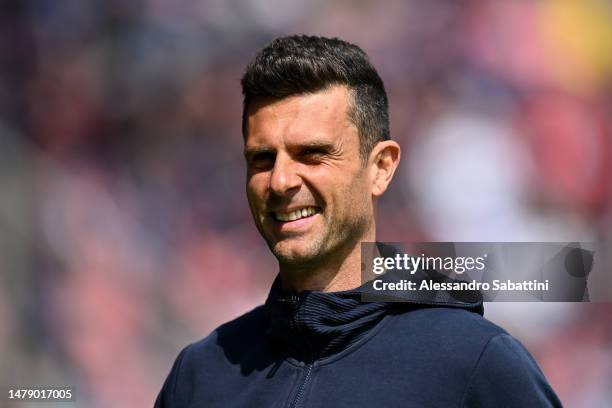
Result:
[
  {"x": 262, "y": 161},
  {"x": 312, "y": 154}
]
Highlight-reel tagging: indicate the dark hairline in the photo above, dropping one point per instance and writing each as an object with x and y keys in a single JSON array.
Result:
[{"x": 301, "y": 64}]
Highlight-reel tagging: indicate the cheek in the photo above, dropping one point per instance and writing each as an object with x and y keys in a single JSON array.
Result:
[
  {"x": 256, "y": 190},
  {"x": 358, "y": 196},
  {"x": 348, "y": 193}
]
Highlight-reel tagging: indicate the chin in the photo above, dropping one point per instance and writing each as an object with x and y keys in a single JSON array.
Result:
[{"x": 288, "y": 252}]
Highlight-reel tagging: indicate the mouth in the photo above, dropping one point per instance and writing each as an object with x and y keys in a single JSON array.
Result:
[{"x": 296, "y": 214}]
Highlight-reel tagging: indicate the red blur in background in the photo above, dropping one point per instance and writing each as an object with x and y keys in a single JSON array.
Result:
[{"x": 124, "y": 230}]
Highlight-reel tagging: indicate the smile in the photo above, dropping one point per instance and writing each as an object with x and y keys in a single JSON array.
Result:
[{"x": 295, "y": 214}]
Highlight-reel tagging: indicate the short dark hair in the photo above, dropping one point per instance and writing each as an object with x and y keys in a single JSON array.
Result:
[{"x": 299, "y": 64}]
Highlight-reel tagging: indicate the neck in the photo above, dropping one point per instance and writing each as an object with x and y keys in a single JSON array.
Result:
[{"x": 339, "y": 271}]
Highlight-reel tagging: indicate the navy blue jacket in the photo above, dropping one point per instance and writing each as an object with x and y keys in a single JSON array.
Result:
[{"x": 320, "y": 349}]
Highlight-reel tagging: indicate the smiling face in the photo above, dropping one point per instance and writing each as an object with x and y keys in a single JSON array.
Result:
[{"x": 308, "y": 190}]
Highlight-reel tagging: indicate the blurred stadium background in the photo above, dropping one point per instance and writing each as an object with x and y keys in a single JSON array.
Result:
[{"x": 124, "y": 231}]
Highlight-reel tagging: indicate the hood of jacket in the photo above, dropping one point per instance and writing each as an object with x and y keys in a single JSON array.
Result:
[{"x": 312, "y": 324}]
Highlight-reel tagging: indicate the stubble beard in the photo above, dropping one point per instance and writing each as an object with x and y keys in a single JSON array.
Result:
[{"x": 328, "y": 248}]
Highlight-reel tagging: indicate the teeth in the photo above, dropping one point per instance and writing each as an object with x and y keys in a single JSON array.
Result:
[{"x": 296, "y": 215}]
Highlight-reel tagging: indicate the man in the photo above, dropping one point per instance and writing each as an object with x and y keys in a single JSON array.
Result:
[{"x": 318, "y": 156}]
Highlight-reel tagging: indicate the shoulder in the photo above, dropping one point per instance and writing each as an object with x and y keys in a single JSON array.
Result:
[
  {"x": 493, "y": 367},
  {"x": 230, "y": 337},
  {"x": 459, "y": 327},
  {"x": 224, "y": 350},
  {"x": 454, "y": 336},
  {"x": 506, "y": 371}
]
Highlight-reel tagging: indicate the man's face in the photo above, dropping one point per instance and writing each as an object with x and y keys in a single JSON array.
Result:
[{"x": 308, "y": 191}]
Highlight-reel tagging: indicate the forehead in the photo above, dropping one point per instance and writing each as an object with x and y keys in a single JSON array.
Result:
[{"x": 319, "y": 115}]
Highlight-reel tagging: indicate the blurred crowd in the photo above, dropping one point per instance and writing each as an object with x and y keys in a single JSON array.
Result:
[{"x": 124, "y": 231}]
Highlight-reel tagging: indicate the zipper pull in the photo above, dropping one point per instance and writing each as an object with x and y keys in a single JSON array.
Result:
[{"x": 291, "y": 300}]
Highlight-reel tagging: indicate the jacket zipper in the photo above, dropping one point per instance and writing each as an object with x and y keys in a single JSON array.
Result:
[
  {"x": 300, "y": 393},
  {"x": 293, "y": 302}
]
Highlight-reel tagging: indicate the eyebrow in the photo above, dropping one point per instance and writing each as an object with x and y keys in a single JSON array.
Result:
[
  {"x": 324, "y": 145},
  {"x": 249, "y": 152}
]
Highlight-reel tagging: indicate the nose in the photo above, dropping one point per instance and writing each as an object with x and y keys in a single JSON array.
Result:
[{"x": 284, "y": 177}]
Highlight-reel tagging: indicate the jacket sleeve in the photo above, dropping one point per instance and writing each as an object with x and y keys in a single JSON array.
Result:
[
  {"x": 168, "y": 396},
  {"x": 507, "y": 375}
]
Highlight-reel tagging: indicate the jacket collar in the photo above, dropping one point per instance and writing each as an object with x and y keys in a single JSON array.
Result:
[{"x": 313, "y": 324}]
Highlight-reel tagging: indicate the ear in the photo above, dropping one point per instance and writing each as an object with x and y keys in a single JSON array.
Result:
[{"x": 383, "y": 161}]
